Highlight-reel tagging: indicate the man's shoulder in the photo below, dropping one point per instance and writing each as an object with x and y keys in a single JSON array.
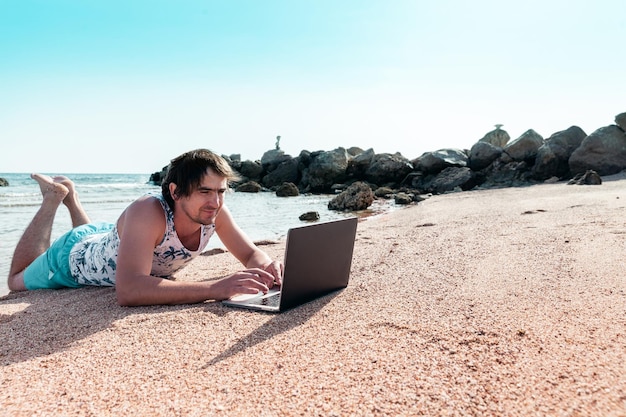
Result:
[{"x": 147, "y": 205}]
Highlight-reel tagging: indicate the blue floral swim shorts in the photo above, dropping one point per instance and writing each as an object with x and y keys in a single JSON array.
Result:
[{"x": 51, "y": 269}]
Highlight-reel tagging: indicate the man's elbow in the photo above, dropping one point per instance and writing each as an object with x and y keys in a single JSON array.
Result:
[{"x": 126, "y": 297}]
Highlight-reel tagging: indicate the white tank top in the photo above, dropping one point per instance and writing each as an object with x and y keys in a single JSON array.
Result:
[{"x": 93, "y": 260}]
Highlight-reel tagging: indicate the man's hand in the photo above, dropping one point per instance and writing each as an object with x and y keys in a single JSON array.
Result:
[
  {"x": 248, "y": 281},
  {"x": 276, "y": 269}
]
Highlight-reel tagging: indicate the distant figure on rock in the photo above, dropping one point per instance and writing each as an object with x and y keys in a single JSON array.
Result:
[{"x": 278, "y": 142}]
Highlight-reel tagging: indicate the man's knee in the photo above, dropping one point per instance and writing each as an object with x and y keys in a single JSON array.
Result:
[{"x": 16, "y": 282}]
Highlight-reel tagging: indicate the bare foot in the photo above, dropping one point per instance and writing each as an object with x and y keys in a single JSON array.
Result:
[
  {"x": 50, "y": 189},
  {"x": 72, "y": 196}
]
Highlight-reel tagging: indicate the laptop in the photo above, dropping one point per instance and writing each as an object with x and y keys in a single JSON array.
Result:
[{"x": 317, "y": 262}]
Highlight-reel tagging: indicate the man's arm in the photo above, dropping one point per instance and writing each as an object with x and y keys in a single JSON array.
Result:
[
  {"x": 141, "y": 227},
  {"x": 238, "y": 243}
]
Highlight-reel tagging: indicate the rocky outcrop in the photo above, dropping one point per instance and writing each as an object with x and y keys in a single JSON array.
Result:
[
  {"x": 553, "y": 156},
  {"x": 387, "y": 169},
  {"x": 357, "y": 196},
  {"x": 493, "y": 161},
  {"x": 285, "y": 171},
  {"x": 603, "y": 151},
  {"x": 525, "y": 147},
  {"x": 497, "y": 137},
  {"x": 483, "y": 154},
  {"x": 272, "y": 158},
  {"x": 4, "y": 182},
  {"x": 437, "y": 161},
  {"x": 250, "y": 170},
  {"x": 326, "y": 169},
  {"x": 620, "y": 120},
  {"x": 450, "y": 179}
]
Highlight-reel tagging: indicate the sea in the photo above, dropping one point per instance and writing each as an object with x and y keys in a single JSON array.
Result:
[{"x": 263, "y": 216}]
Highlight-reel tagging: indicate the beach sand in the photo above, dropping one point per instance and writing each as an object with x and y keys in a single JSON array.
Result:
[{"x": 493, "y": 302}]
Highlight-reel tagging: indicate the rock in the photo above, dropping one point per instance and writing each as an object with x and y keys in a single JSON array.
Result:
[
  {"x": 437, "y": 161},
  {"x": 359, "y": 164},
  {"x": 387, "y": 168},
  {"x": 450, "y": 179},
  {"x": 157, "y": 177},
  {"x": 326, "y": 169},
  {"x": 590, "y": 177},
  {"x": 497, "y": 137},
  {"x": 383, "y": 192},
  {"x": 354, "y": 151},
  {"x": 272, "y": 158},
  {"x": 553, "y": 156},
  {"x": 286, "y": 171},
  {"x": 403, "y": 198},
  {"x": 233, "y": 160},
  {"x": 249, "y": 187},
  {"x": 310, "y": 216},
  {"x": 603, "y": 151},
  {"x": 287, "y": 189},
  {"x": 504, "y": 172},
  {"x": 620, "y": 120},
  {"x": 252, "y": 170},
  {"x": 525, "y": 147},
  {"x": 483, "y": 154},
  {"x": 4, "y": 182},
  {"x": 358, "y": 196}
]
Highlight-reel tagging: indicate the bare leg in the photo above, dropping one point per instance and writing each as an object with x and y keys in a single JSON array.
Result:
[
  {"x": 71, "y": 201},
  {"x": 36, "y": 237}
]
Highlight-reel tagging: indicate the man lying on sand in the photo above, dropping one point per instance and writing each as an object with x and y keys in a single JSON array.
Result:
[{"x": 154, "y": 237}]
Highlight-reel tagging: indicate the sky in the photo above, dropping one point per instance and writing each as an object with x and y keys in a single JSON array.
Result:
[{"x": 124, "y": 86}]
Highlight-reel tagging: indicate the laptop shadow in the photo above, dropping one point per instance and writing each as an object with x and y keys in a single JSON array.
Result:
[{"x": 280, "y": 323}]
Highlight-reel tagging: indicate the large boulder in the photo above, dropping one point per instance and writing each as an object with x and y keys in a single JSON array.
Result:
[
  {"x": 357, "y": 196},
  {"x": 525, "y": 147},
  {"x": 326, "y": 169},
  {"x": 483, "y": 154},
  {"x": 553, "y": 156},
  {"x": 4, "y": 182},
  {"x": 286, "y": 171},
  {"x": 450, "y": 179},
  {"x": 251, "y": 170},
  {"x": 272, "y": 158},
  {"x": 504, "y": 172},
  {"x": 620, "y": 120},
  {"x": 287, "y": 189},
  {"x": 249, "y": 187},
  {"x": 453, "y": 178},
  {"x": 387, "y": 168},
  {"x": 497, "y": 137},
  {"x": 603, "y": 151},
  {"x": 437, "y": 161},
  {"x": 359, "y": 163}
]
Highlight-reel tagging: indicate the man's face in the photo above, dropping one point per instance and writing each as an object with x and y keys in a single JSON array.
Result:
[{"x": 206, "y": 201}]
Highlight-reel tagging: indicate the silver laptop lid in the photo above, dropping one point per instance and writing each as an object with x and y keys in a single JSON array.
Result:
[{"x": 318, "y": 258}]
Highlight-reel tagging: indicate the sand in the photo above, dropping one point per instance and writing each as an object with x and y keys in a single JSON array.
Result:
[{"x": 493, "y": 302}]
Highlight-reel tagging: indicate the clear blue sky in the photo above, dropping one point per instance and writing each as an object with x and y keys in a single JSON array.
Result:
[{"x": 124, "y": 86}]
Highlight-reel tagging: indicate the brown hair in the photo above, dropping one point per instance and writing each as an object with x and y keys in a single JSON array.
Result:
[{"x": 188, "y": 169}]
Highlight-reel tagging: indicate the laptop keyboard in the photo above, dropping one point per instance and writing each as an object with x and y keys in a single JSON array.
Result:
[{"x": 271, "y": 301}]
